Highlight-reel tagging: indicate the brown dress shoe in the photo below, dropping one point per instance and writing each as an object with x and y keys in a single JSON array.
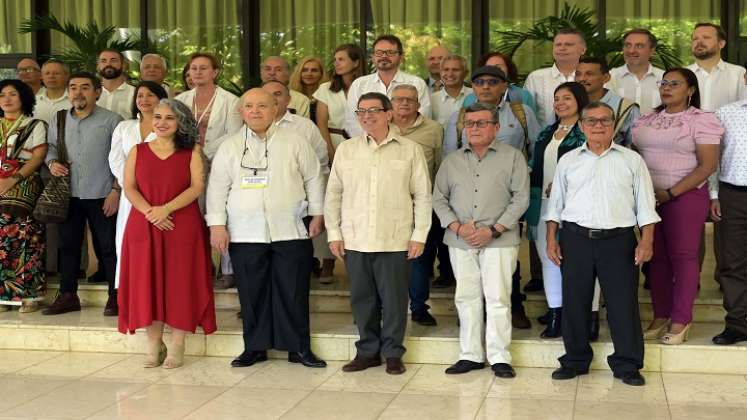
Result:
[
  {"x": 362, "y": 363},
  {"x": 65, "y": 302},
  {"x": 520, "y": 321},
  {"x": 111, "y": 308},
  {"x": 394, "y": 366}
]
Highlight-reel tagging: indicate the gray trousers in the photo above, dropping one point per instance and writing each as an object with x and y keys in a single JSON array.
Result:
[{"x": 379, "y": 284}]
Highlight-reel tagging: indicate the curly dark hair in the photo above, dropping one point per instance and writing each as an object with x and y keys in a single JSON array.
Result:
[
  {"x": 28, "y": 99},
  {"x": 154, "y": 87},
  {"x": 186, "y": 135}
]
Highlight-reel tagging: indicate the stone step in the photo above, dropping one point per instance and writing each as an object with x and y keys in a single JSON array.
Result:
[
  {"x": 334, "y": 335},
  {"x": 336, "y": 299}
]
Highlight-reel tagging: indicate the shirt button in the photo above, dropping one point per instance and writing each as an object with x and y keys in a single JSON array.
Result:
[
  {"x": 475, "y": 206},
  {"x": 475, "y": 189}
]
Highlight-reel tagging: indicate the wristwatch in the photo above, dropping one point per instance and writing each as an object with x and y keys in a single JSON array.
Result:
[{"x": 494, "y": 232}]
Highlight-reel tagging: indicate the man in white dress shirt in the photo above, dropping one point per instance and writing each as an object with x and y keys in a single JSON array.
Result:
[
  {"x": 600, "y": 193},
  {"x": 276, "y": 68},
  {"x": 567, "y": 48},
  {"x": 720, "y": 82},
  {"x": 387, "y": 57},
  {"x": 116, "y": 93},
  {"x": 636, "y": 79},
  {"x": 53, "y": 97},
  {"x": 153, "y": 68},
  {"x": 29, "y": 72},
  {"x": 433, "y": 60},
  {"x": 449, "y": 100},
  {"x": 265, "y": 201}
]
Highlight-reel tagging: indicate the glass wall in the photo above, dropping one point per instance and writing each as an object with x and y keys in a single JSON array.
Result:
[
  {"x": 122, "y": 14},
  {"x": 12, "y": 13},
  {"x": 671, "y": 21},
  {"x": 421, "y": 25},
  {"x": 294, "y": 29},
  {"x": 521, "y": 15}
]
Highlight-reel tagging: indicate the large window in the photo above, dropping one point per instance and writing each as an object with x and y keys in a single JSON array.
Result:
[
  {"x": 294, "y": 29},
  {"x": 671, "y": 21},
  {"x": 178, "y": 28},
  {"x": 122, "y": 14},
  {"x": 12, "y": 13},
  {"x": 421, "y": 25}
]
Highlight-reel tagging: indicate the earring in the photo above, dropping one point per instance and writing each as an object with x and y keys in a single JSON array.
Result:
[{"x": 688, "y": 100}]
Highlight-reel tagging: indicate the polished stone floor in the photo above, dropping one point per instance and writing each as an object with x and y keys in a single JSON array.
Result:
[{"x": 70, "y": 385}]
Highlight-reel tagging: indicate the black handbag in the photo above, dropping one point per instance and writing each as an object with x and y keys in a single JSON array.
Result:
[{"x": 54, "y": 201}]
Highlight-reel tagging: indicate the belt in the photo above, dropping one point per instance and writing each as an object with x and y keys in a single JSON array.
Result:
[
  {"x": 341, "y": 132},
  {"x": 734, "y": 187},
  {"x": 595, "y": 233}
]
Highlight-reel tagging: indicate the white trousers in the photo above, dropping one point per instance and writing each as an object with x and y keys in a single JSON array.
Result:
[
  {"x": 551, "y": 276},
  {"x": 484, "y": 274}
]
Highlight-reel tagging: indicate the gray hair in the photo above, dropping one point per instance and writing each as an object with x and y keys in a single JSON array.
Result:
[
  {"x": 481, "y": 106},
  {"x": 455, "y": 57},
  {"x": 151, "y": 55},
  {"x": 186, "y": 133},
  {"x": 411, "y": 88},
  {"x": 65, "y": 67},
  {"x": 598, "y": 105}
]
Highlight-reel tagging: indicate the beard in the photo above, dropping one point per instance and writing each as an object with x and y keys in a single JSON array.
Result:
[
  {"x": 110, "y": 72},
  {"x": 705, "y": 53}
]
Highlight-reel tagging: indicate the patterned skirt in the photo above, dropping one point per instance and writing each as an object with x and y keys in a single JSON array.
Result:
[{"x": 21, "y": 259}]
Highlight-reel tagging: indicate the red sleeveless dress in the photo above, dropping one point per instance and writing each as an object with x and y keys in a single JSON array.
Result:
[{"x": 165, "y": 275}]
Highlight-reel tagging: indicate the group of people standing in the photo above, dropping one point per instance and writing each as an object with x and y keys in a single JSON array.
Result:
[{"x": 390, "y": 172}]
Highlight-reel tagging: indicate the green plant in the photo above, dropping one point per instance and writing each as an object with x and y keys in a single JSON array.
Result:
[
  {"x": 88, "y": 40},
  {"x": 571, "y": 16}
]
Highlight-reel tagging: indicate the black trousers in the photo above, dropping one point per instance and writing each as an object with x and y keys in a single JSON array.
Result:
[
  {"x": 378, "y": 295},
  {"x": 72, "y": 233},
  {"x": 612, "y": 261},
  {"x": 273, "y": 284},
  {"x": 733, "y": 267}
]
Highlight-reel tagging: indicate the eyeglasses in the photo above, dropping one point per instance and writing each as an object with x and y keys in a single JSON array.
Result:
[
  {"x": 253, "y": 167},
  {"x": 403, "y": 99},
  {"x": 27, "y": 70},
  {"x": 388, "y": 53},
  {"x": 371, "y": 111},
  {"x": 478, "y": 123},
  {"x": 671, "y": 83},
  {"x": 635, "y": 46},
  {"x": 591, "y": 122},
  {"x": 488, "y": 82}
]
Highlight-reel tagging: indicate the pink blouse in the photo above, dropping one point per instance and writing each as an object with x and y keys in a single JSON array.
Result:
[{"x": 667, "y": 142}]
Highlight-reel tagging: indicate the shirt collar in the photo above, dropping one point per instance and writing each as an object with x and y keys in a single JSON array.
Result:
[
  {"x": 397, "y": 77},
  {"x": 121, "y": 87},
  {"x": 249, "y": 133},
  {"x": 555, "y": 72},
  {"x": 649, "y": 71},
  {"x": 720, "y": 66},
  {"x": 445, "y": 95},
  {"x": 585, "y": 148},
  {"x": 493, "y": 146},
  {"x": 391, "y": 136},
  {"x": 287, "y": 117}
]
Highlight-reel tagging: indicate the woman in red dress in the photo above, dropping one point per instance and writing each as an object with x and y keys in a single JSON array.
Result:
[{"x": 165, "y": 269}]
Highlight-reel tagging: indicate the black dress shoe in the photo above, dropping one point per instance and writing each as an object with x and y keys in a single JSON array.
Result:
[
  {"x": 519, "y": 319},
  {"x": 534, "y": 285},
  {"x": 728, "y": 337},
  {"x": 249, "y": 358},
  {"x": 553, "y": 329},
  {"x": 564, "y": 372},
  {"x": 594, "y": 328},
  {"x": 65, "y": 302},
  {"x": 464, "y": 366},
  {"x": 97, "y": 277},
  {"x": 442, "y": 282},
  {"x": 503, "y": 370},
  {"x": 394, "y": 366},
  {"x": 306, "y": 358},
  {"x": 632, "y": 378},
  {"x": 111, "y": 308},
  {"x": 544, "y": 319},
  {"x": 423, "y": 318}
]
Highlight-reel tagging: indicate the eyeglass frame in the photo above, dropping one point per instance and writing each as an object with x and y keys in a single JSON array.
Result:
[
  {"x": 593, "y": 122},
  {"x": 360, "y": 112},
  {"x": 386, "y": 53},
  {"x": 671, "y": 83},
  {"x": 246, "y": 149}
]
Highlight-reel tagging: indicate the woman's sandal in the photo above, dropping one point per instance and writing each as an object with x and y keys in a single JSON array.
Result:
[
  {"x": 155, "y": 356},
  {"x": 175, "y": 357}
]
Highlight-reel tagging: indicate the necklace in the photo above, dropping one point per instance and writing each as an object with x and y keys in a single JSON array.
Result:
[{"x": 565, "y": 127}]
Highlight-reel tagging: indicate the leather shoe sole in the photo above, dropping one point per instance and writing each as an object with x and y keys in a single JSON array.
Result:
[
  {"x": 308, "y": 360},
  {"x": 503, "y": 370},
  {"x": 564, "y": 373},
  {"x": 58, "y": 311},
  {"x": 463, "y": 366},
  {"x": 394, "y": 366},
  {"x": 248, "y": 361},
  {"x": 359, "y": 364},
  {"x": 631, "y": 378}
]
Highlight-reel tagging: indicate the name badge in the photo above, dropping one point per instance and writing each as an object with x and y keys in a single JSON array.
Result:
[{"x": 254, "y": 182}]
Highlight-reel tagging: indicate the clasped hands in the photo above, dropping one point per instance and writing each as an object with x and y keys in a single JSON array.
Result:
[
  {"x": 477, "y": 237},
  {"x": 160, "y": 217}
]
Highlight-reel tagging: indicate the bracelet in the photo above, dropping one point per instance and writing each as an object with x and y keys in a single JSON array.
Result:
[{"x": 669, "y": 193}]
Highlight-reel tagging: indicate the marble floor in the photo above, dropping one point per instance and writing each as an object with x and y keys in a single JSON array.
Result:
[{"x": 70, "y": 385}]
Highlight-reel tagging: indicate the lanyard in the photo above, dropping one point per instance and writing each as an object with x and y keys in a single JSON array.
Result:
[{"x": 205, "y": 111}]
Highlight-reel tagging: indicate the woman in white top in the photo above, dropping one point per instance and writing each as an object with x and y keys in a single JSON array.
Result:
[
  {"x": 215, "y": 109},
  {"x": 127, "y": 135},
  {"x": 332, "y": 96},
  {"x": 552, "y": 143}
]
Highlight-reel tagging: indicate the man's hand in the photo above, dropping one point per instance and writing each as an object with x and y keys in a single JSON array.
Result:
[
  {"x": 414, "y": 249},
  {"x": 58, "y": 169},
  {"x": 467, "y": 229},
  {"x": 219, "y": 238},
  {"x": 480, "y": 237},
  {"x": 316, "y": 226},
  {"x": 643, "y": 252},
  {"x": 661, "y": 197},
  {"x": 715, "y": 210},
  {"x": 337, "y": 248},
  {"x": 553, "y": 251},
  {"x": 111, "y": 203}
]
